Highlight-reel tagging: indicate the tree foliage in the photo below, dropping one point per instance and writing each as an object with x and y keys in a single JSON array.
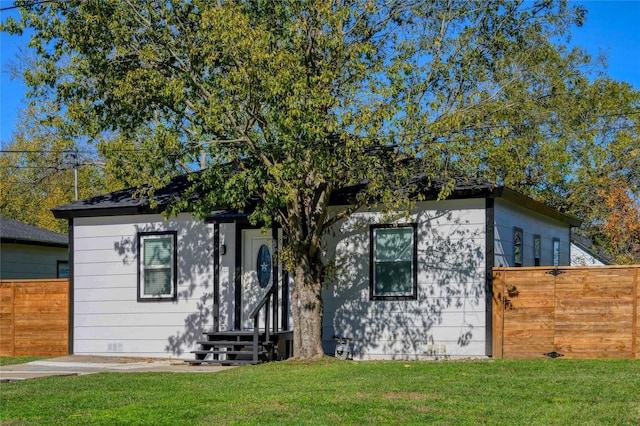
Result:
[
  {"x": 281, "y": 103},
  {"x": 37, "y": 173}
]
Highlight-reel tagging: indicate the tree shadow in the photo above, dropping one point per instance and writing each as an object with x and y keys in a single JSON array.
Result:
[
  {"x": 450, "y": 292},
  {"x": 194, "y": 291}
]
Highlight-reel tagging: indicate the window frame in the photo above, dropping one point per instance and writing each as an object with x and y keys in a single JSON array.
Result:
[
  {"x": 413, "y": 294},
  {"x": 537, "y": 249},
  {"x": 518, "y": 247},
  {"x": 142, "y": 236},
  {"x": 555, "y": 252}
]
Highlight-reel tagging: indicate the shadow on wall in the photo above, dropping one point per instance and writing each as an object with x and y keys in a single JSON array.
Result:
[
  {"x": 194, "y": 274},
  {"x": 450, "y": 277}
]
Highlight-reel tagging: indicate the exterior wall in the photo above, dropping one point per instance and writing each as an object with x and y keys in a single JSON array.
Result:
[
  {"x": 580, "y": 257},
  {"x": 227, "y": 276},
  {"x": 508, "y": 215},
  {"x": 108, "y": 319},
  {"x": 26, "y": 261},
  {"x": 448, "y": 317}
]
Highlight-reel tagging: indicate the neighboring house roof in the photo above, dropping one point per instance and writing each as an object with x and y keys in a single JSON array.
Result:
[
  {"x": 15, "y": 232},
  {"x": 586, "y": 245},
  {"x": 125, "y": 202}
]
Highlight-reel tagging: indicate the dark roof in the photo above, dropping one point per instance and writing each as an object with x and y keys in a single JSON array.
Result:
[
  {"x": 15, "y": 232},
  {"x": 124, "y": 202}
]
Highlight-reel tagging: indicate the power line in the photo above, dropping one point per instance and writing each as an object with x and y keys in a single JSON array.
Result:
[{"x": 34, "y": 3}]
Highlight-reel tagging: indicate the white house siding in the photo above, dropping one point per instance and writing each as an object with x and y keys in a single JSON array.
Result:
[
  {"x": 508, "y": 216},
  {"x": 580, "y": 257},
  {"x": 448, "y": 317},
  {"x": 23, "y": 261},
  {"x": 108, "y": 319},
  {"x": 227, "y": 275}
]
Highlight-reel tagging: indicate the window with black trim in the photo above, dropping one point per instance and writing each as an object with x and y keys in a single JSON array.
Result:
[
  {"x": 537, "y": 250},
  {"x": 62, "y": 269},
  {"x": 157, "y": 266},
  {"x": 393, "y": 262},
  {"x": 556, "y": 252},
  {"x": 517, "y": 246}
]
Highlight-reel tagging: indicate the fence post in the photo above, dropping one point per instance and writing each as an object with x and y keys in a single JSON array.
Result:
[{"x": 498, "y": 313}]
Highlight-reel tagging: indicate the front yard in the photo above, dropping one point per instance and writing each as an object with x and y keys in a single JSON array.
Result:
[{"x": 546, "y": 392}]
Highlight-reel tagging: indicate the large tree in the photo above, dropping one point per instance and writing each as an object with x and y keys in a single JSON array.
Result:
[{"x": 282, "y": 103}]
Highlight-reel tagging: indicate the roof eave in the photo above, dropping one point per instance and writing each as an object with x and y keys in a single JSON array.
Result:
[{"x": 531, "y": 204}]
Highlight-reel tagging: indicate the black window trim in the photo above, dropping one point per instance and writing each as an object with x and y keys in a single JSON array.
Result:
[
  {"x": 414, "y": 294},
  {"x": 174, "y": 296},
  {"x": 517, "y": 230},
  {"x": 555, "y": 260}
]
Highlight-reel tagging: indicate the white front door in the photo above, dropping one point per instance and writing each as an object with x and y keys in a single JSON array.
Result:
[{"x": 257, "y": 272}]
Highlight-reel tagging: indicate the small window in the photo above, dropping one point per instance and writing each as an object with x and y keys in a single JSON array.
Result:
[
  {"x": 517, "y": 246},
  {"x": 393, "y": 274},
  {"x": 62, "y": 269},
  {"x": 556, "y": 252},
  {"x": 157, "y": 266},
  {"x": 537, "y": 249}
]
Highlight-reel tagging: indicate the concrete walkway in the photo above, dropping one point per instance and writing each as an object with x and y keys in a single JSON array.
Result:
[{"x": 76, "y": 365}]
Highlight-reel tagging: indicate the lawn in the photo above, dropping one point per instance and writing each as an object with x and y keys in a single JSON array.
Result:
[
  {"x": 11, "y": 360},
  {"x": 501, "y": 392}
]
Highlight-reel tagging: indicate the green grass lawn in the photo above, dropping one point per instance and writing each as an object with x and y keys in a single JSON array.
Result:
[
  {"x": 544, "y": 392},
  {"x": 11, "y": 360}
]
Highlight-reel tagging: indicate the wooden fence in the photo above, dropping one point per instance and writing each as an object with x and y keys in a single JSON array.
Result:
[
  {"x": 34, "y": 317},
  {"x": 576, "y": 312}
]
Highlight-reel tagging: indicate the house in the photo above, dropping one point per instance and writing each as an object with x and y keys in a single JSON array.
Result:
[
  {"x": 29, "y": 252},
  {"x": 585, "y": 253},
  {"x": 411, "y": 288}
]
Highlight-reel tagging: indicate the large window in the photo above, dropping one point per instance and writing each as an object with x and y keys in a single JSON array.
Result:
[
  {"x": 157, "y": 266},
  {"x": 393, "y": 274}
]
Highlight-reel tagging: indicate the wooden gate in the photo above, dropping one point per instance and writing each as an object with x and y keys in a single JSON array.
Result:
[
  {"x": 34, "y": 317},
  {"x": 577, "y": 312}
]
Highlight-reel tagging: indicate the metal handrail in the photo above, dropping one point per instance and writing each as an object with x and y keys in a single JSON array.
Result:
[{"x": 256, "y": 320}]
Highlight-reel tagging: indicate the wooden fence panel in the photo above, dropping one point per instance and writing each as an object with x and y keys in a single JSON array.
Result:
[
  {"x": 34, "y": 317},
  {"x": 579, "y": 312}
]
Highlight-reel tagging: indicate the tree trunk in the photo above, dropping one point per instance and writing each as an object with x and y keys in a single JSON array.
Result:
[{"x": 307, "y": 311}]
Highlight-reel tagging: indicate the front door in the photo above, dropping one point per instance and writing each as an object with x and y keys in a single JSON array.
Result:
[{"x": 257, "y": 272}]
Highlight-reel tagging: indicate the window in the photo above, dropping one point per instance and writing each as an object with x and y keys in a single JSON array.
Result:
[
  {"x": 393, "y": 274},
  {"x": 556, "y": 252},
  {"x": 62, "y": 269},
  {"x": 517, "y": 246},
  {"x": 536, "y": 250},
  {"x": 156, "y": 266}
]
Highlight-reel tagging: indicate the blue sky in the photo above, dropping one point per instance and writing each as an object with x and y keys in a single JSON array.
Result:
[{"x": 612, "y": 27}]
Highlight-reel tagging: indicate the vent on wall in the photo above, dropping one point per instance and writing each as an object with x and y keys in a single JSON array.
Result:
[
  {"x": 114, "y": 347},
  {"x": 436, "y": 349}
]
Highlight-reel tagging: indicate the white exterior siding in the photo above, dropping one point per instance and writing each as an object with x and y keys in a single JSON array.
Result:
[
  {"x": 508, "y": 216},
  {"x": 448, "y": 317},
  {"x": 26, "y": 261},
  {"x": 580, "y": 257},
  {"x": 108, "y": 319},
  {"x": 227, "y": 276}
]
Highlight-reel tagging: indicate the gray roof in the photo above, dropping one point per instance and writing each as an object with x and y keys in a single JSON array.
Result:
[{"x": 17, "y": 232}]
